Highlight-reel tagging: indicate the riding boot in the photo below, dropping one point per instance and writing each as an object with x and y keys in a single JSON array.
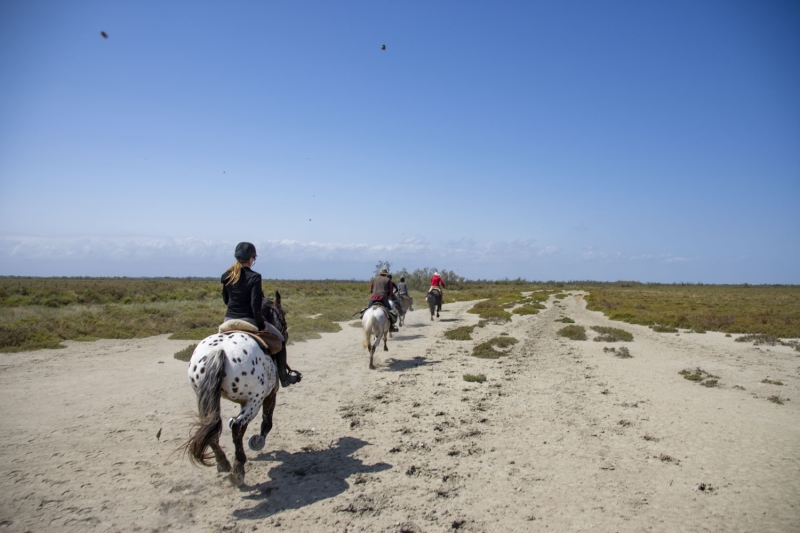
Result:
[
  {"x": 392, "y": 321},
  {"x": 283, "y": 369}
]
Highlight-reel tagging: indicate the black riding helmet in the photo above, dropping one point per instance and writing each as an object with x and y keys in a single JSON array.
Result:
[
  {"x": 402, "y": 278},
  {"x": 244, "y": 251}
]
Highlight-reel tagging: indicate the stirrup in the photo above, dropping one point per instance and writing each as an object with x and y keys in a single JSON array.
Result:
[{"x": 291, "y": 377}]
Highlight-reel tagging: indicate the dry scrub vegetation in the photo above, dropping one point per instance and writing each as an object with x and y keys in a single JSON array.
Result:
[
  {"x": 771, "y": 310},
  {"x": 42, "y": 312}
]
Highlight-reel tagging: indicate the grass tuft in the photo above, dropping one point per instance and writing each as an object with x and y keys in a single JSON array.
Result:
[
  {"x": 565, "y": 320},
  {"x": 186, "y": 354},
  {"x": 699, "y": 375},
  {"x": 527, "y": 309},
  {"x": 769, "y": 381},
  {"x": 194, "y": 334},
  {"x": 462, "y": 333},
  {"x": 612, "y": 334},
  {"x": 486, "y": 350},
  {"x": 576, "y": 333},
  {"x": 475, "y": 378},
  {"x": 776, "y": 399}
]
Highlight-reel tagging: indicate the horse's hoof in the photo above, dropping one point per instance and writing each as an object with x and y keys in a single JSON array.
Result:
[
  {"x": 224, "y": 467},
  {"x": 372, "y": 367},
  {"x": 237, "y": 476},
  {"x": 385, "y": 349},
  {"x": 232, "y": 420},
  {"x": 256, "y": 443}
]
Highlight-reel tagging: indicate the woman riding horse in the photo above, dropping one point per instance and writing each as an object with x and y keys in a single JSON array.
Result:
[{"x": 242, "y": 293}]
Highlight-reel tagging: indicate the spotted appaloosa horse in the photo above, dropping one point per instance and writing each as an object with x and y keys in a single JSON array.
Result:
[
  {"x": 376, "y": 324},
  {"x": 233, "y": 366}
]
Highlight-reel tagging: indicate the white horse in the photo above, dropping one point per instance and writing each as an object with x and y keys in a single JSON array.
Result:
[{"x": 376, "y": 324}]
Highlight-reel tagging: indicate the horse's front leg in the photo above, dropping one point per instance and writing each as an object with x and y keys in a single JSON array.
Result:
[
  {"x": 256, "y": 442},
  {"x": 267, "y": 410},
  {"x": 385, "y": 348}
]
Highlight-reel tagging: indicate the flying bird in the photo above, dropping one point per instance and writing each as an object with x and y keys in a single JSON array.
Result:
[
  {"x": 104, "y": 34},
  {"x": 383, "y": 47}
]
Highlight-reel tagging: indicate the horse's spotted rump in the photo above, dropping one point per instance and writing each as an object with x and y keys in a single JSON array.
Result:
[{"x": 241, "y": 382}]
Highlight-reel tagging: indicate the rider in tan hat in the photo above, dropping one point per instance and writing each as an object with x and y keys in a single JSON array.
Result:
[{"x": 381, "y": 289}]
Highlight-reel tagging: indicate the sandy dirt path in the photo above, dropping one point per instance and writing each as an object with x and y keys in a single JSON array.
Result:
[{"x": 561, "y": 437}]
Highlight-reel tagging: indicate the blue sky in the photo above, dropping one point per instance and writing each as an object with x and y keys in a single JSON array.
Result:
[{"x": 542, "y": 140}]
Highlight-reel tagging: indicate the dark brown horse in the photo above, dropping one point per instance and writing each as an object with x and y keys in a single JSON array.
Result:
[{"x": 434, "y": 299}]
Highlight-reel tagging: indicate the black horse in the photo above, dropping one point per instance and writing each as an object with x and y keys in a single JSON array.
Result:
[{"x": 434, "y": 299}]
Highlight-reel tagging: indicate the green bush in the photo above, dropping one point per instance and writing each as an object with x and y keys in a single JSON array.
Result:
[
  {"x": 476, "y": 378},
  {"x": 612, "y": 334},
  {"x": 576, "y": 333},
  {"x": 463, "y": 333},
  {"x": 486, "y": 350},
  {"x": 185, "y": 354},
  {"x": 526, "y": 310},
  {"x": 565, "y": 320}
]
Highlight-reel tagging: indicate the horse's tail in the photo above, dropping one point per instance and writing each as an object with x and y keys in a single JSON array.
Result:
[
  {"x": 368, "y": 327},
  {"x": 209, "y": 424}
]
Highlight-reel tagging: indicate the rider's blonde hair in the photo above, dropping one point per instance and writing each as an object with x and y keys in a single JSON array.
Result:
[{"x": 235, "y": 272}]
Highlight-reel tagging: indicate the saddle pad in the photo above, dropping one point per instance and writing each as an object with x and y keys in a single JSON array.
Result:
[
  {"x": 237, "y": 325},
  {"x": 268, "y": 342}
]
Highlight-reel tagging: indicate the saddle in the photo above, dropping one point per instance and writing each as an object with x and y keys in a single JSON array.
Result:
[
  {"x": 271, "y": 344},
  {"x": 435, "y": 289}
]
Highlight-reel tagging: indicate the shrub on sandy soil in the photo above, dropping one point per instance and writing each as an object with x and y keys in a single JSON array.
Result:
[
  {"x": 193, "y": 334},
  {"x": 475, "y": 378},
  {"x": 576, "y": 333},
  {"x": 758, "y": 339},
  {"x": 658, "y": 328},
  {"x": 486, "y": 350},
  {"x": 496, "y": 315},
  {"x": 185, "y": 354},
  {"x": 701, "y": 376},
  {"x": 608, "y": 334},
  {"x": 777, "y": 399},
  {"x": 622, "y": 352},
  {"x": 527, "y": 310},
  {"x": 565, "y": 320},
  {"x": 770, "y": 310},
  {"x": 462, "y": 333},
  {"x": 771, "y": 382}
]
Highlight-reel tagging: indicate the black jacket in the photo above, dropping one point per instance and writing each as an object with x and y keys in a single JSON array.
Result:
[{"x": 244, "y": 297}]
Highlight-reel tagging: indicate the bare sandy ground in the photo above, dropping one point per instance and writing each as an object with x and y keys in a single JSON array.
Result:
[{"x": 561, "y": 437}]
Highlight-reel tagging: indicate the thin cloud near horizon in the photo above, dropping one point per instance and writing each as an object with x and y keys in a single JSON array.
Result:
[{"x": 413, "y": 249}]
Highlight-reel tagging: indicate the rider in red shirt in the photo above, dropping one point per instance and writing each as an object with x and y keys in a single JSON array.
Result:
[{"x": 437, "y": 284}]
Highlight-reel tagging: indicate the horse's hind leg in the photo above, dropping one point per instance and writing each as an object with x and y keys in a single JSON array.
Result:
[
  {"x": 223, "y": 465},
  {"x": 238, "y": 428},
  {"x": 237, "y": 475}
]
